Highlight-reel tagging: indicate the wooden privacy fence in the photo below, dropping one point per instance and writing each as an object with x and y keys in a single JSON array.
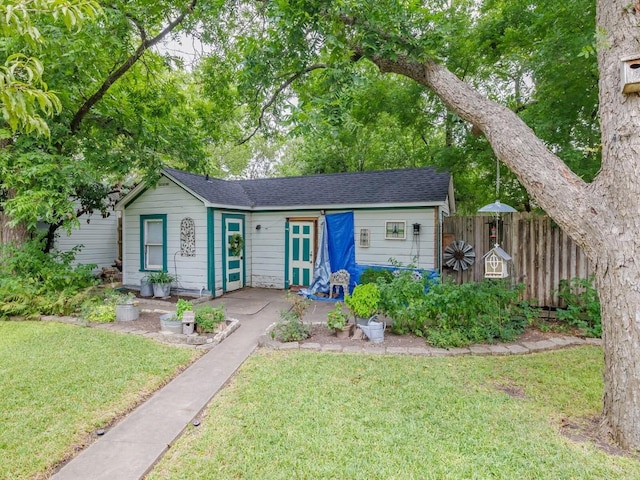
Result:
[{"x": 542, "y": 253}]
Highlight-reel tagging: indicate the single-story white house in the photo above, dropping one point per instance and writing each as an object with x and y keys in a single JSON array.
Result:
[
  {"x": 96, "y": 235},
  {"x": 219, "y": 235}
]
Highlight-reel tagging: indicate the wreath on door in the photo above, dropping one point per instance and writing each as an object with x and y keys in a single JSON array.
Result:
[{"x": 236, "y": 243}]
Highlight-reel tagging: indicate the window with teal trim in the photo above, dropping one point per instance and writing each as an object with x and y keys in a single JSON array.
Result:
[{"x": 153, "y": 242}]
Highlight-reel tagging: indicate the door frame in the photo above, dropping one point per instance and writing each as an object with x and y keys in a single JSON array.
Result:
[
  {"x": 243, "y": 274},
  {"x": 287, "y": 239}
]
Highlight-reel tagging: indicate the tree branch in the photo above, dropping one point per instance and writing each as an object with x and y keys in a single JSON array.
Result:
[
  {"x": 275, "y": 95},
  {"x": 128, "y": 63},
  {"x": 559, "y": 191}
]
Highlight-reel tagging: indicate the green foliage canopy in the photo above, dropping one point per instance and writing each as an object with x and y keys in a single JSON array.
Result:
[
  {"x": 306, "y": 65},
  {"x": 122, "y": 111}
]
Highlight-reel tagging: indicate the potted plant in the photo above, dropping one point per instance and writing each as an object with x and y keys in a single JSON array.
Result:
[
  {"x": 209, "y": 318},
  {"x": 126, "y": 309},
  {"x": 146, "y": 288},
  {"x": 338, "y": 321},
  {"x": 161, "y": 282},
  {"x": 363, "y": 302},
  {"x": 172, "y": 322}
]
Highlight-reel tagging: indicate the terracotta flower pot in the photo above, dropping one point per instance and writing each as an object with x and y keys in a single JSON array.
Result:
[{"x": 346, "y": 332}]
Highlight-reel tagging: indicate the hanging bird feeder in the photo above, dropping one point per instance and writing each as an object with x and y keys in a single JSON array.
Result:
[
  {"x": 459, "y": 255},
  {"x": 496, "y": 263},
  {"x": 496, "y": 260}
]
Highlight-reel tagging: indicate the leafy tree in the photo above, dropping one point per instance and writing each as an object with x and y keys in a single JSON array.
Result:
[
  {"x": 124, "y": 112},
  {"x": 415, "y": 40},
  {"x": 23, "y": 92},
  {"x": 350, "y": 117}
]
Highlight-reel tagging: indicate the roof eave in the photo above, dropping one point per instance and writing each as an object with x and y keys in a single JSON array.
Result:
[
  {"x": 184, "y": 187},
  {"x": 345, "y": 206},
  {"x": 124, "y": 202}
]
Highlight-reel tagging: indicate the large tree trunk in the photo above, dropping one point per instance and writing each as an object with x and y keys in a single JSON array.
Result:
[
  {"x": 618, "y": 188},
  {"x": 12, "y": 234},
  {"x": 16, "y": 234},
  {"x": 602, "y": 217}
]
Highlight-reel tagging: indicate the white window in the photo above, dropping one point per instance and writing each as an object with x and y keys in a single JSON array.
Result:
[{"x": 154, "y": 235}]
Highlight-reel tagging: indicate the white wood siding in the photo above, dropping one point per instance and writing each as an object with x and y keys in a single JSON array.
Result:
[
  {"x": 171, "y": 200},
  {"x": 267, "y": 254},
  {"x": 265, "y": 247},
  {"x": 418, "y": 250},
  {"x": 99, "y": 238}
]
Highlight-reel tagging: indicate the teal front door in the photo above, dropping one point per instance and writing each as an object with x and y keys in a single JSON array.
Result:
[
  {"x": 233, "y": 230},
  {"x": 302, "y": 236}
]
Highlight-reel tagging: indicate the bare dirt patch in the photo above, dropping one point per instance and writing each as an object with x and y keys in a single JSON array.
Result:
[
  {"x": 322, "y": 335},
  {"x": 512, "y": 390},
  {"x": 593, "y": 430}
]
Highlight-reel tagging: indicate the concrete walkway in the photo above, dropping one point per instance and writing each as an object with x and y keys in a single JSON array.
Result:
[{"x": 128, "y": 450}]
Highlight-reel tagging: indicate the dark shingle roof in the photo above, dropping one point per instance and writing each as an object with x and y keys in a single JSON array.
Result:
[
  {"x": 416, "y": 185},
  {"x": 213, "y": 190}
]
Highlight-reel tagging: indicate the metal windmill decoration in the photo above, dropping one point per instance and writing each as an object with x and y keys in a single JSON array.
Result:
[
  {"x": 459, "y": 255},
  {"x": 496, "y": 260}
]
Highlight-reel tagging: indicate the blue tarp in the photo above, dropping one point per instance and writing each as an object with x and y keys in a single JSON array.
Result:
[
  {"x": 337, "y": 251},
  {"x": 342, "y": 248},
  {"x": 322, "y": 267}
]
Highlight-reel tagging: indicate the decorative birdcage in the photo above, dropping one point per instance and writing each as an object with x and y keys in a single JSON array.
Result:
[{"x": 496, "y": 263}]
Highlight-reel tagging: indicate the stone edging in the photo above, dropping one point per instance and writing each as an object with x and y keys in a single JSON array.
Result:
[
  {"x": 522, "y": 348},
  {"x": 177, "y": 339}
]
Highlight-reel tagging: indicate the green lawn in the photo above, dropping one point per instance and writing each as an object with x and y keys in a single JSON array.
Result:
[
  {"x": 307, "y": 415},
  {"x": 59, "y": 383}
]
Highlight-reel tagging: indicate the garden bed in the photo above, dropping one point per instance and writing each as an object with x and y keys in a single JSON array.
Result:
[
  {"x": 530, "y": 341},
  {"x": 148, "y": 324}
]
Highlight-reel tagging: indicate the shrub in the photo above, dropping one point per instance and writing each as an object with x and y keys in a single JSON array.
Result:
[
  {"x": 364, "y": 301},
  {"x": 336, "y": 318},
  {"x": 182, "y": 306},
  {"x": 401, "y": 294},
  {"x": 299, "y": 304},
  {"x": 451, "y": 315},
  {"x": 100, "y": 307},
  {"x": 98, "y": 312},
  {"x": 208, "y": 317},
  {"x": 372, "y": 275},
  {"x": 290, "y": 328},
  {"x": 33, "y": 282},
  {"x": 583, "y": 306}
]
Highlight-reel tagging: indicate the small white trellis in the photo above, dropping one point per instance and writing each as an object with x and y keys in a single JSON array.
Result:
[
  {"x": 187, "y": 237},
  {"x": 496, "y": 263}
]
